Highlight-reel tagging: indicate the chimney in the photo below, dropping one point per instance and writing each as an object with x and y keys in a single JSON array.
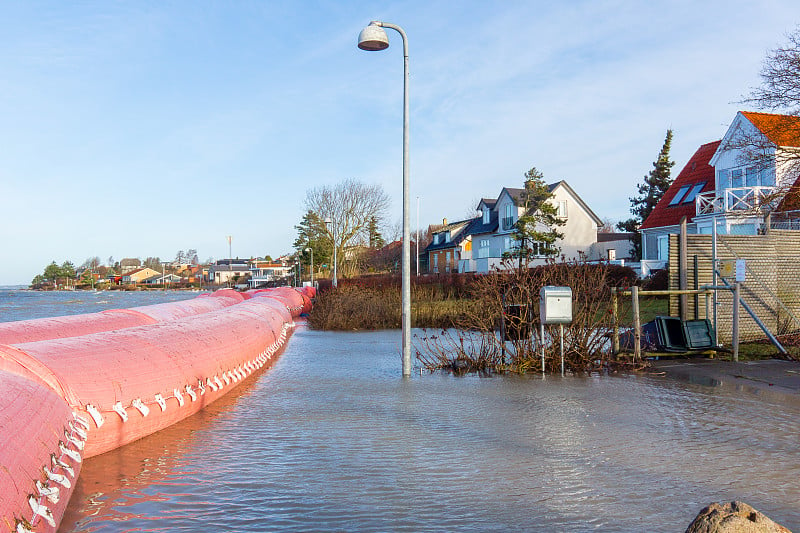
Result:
[{"x": 444, "y": 222}]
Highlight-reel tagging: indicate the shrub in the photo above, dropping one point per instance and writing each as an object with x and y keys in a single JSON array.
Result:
[{"x": 585, "y": 339}]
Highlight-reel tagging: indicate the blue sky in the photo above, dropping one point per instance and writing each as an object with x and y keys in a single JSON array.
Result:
[{"x": 143, "y": 128}]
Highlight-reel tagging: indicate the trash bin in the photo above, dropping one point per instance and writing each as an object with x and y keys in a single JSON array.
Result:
[
  {"x": 699, "y": 334},
  {"x": 671, "y": 336}
]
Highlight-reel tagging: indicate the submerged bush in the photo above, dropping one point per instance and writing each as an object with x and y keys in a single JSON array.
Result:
[{"x": 586, "y": 344}]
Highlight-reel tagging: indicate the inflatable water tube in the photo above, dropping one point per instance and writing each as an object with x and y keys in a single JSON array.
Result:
[{"x": 78, "y": 386}]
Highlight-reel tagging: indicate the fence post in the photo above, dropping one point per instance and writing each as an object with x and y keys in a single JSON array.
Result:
[
  {"x": 637, "y": 324},
  {"x": 683, "y": 267}
]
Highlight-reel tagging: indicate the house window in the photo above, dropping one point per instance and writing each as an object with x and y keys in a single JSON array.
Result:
[
  {"x": 723, "y": 178},
  {"x": 694, "y": 192},
  {"x": 486, "y": 215},
  {"x": 768, "y": 177},
  {"x": 742, "y": 229},
  {"x": 679, "y": 196},
  {"x": 751, "y": 177},
  {"x": 737, "y": 178},
  {"x": 436, "y": 264},
  {"x": 435, "y": 238},
  {"x": 483, "y": 249},
  {"x": 540, "y": 249},
  {"x": 447, "y": 236},
  {"x": 508, "y": 219},
  {"x": 447, "y": 262},
  {"x": 663, "y": 247},
  {"x": 746, "y": 177},
  {"x": 507, "y": 243},
  {"x": 562, "y": 209}
]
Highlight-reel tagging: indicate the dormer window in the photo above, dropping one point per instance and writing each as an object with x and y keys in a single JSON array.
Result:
[
  {"x": 486, "y": 214},
  {"x": 446, "y": 236},
  {"x": 435, "y": 238}
]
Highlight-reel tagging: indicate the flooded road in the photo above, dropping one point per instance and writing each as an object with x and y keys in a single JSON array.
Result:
[{"x": 332, "y": 439}]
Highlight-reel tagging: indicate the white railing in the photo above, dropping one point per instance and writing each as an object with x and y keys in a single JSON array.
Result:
[{"x": 734, "y": 199}]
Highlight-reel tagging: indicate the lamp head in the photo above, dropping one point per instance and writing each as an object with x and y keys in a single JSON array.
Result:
[{"x": 373, "y": 38}]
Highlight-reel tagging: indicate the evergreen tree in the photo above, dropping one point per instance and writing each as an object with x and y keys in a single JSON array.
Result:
[
  {"x": 312, "y": 233},
  {"x": 375, "y": 238},
  {"x": 655, "y": 184},
  {"x": 535, "y": 232}
]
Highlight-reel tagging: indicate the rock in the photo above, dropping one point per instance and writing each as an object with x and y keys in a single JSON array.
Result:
[{"x": 733, "y": 517}]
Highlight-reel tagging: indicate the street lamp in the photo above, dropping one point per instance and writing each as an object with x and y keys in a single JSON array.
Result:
[
  {"x": 329, "y": 222},
  {"x": 312, "y": 264},
  {"x": 373, "y": 38}
]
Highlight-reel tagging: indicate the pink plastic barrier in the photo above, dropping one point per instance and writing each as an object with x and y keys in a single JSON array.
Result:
[
  {"x": 76, "y": 325},
  {"x": 39, "y": 441},
  {"x": 79, "y": 396}
]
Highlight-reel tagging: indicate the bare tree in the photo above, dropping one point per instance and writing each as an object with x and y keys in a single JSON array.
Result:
[
  {"x": 780, "y": 78},
  {"x": 608, "y": 226},
  {"x": 91, "y": 263},
  {"x": 349, "y": 206},
  {"x": 777, "y": 143}
]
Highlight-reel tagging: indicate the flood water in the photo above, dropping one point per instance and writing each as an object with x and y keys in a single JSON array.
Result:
[{"x": 333, "y": 439}]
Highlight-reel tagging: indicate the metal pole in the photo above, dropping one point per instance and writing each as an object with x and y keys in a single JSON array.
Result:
[
  {"x": 736, "y": 295},
  {"x": 406, "y": 257},
  {"x": 333, "y": 234},
  {"x": 541, "y": 339},
  {"x": 561, "y": 334},
  {"x": 312, "y": 266},
  {"x": 406, "y": 263},
  {"x": 714, "y": 274}
]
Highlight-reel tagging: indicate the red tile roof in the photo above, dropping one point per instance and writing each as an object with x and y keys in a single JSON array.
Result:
[
  {"x": 697, "y": 170},
  {"x": 783, "y": 130}
]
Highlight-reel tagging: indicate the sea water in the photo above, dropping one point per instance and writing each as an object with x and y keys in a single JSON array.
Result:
[{"x": 333, "y": 439}]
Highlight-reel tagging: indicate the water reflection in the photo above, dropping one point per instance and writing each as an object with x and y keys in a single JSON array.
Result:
[{"x": 332, "y": 439}]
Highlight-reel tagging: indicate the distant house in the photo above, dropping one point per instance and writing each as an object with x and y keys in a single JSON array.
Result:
[
  {"x": 446, "y": 248},
  {"x": 722, "y": 184},
  {"x": 611, "y": 247},
  {"x": 162, "y": 279},
  {"x": 227, "y": 271},
  {"x": 479, "y": 244},
  {"x": 138, "y": 276},
  {"x": 264, "y": 273}
]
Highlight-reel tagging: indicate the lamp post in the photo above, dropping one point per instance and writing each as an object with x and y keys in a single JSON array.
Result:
[
  {"x": 374, "y": 38},
  {"x": 328, "y": 221},
  {"x": 312, "y": 264}
]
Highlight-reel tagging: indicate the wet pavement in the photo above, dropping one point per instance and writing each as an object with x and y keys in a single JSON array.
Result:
[{"x": 770, "y": 375}]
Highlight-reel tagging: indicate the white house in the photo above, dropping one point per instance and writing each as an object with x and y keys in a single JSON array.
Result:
[
  {"x": 478, "y": 245},
  {"x": 724, "y": 182}
]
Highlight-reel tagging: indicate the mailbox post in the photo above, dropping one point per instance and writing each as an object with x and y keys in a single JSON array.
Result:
[{"x": 555, "y": 307}]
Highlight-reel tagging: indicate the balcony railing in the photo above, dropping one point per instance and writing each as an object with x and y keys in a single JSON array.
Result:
[{"x": 734, "y": 199}]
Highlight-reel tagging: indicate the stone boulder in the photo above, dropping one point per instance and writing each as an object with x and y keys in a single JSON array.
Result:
[{"x": 733, "y": 517}]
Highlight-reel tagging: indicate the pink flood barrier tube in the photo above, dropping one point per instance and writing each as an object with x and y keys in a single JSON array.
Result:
[
  {"x": 74, "y": 397},
  {"x": 76, "y": 325}
]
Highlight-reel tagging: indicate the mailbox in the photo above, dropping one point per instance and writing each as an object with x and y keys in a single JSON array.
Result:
[{"x": 555, "y": 305}]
